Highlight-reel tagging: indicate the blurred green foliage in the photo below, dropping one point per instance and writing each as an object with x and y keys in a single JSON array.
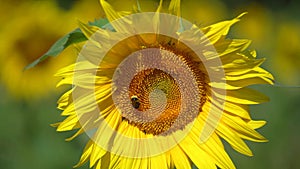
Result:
[{"x": 27, "y": 141}]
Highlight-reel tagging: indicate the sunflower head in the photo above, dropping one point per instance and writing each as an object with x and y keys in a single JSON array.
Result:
[{"x": 154, "y": 90}]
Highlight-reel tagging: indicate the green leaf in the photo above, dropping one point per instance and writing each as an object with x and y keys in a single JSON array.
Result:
[
  {"x": 75, "y": 36},
  {"x": 99, "y": 22},
  {"x": 102, "y": 23}
]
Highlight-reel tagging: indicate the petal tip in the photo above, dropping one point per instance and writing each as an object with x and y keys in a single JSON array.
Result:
[{"x": 241, "y": 15}]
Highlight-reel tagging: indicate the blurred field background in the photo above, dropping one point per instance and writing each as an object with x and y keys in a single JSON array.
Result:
[{"x": 28, "y": 98}]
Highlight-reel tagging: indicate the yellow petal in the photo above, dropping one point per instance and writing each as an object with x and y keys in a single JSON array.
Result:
[
  {"x": 240, "y": 83},
  {"x": 66, "y": 71},
  {"x": 80, "y": 131},
  {"x": 220, "y": 85},
  {"x": 250, "y": 81},
  {"x": 55, "y": 124},
  {"x": 133, "y": 163},
  {"x": 212, "y": 146},
  {"x": 249, "y": 73},
  {"x": 233, "y": 139},
  {"x": 213, "y": 153},
  {"x": 159, "y": 161},
  {"x": 105, "y": 161},
  {"x": 253, "y": 53},
  {"x": 180, "y": 159},
  {"x": 86, "y": 154},
  {"x": 256, "y": 124},
  {"x": 240, "y": 110},
  {"x": 244, "y": 96},
  {"x": 69, "y": 123},
  {"x": 70, "y": 110},
  {"x": 225, "y": 47},
  {"x": 242, "y": 65},
  {"x": 200, "y": 158},
  {"x": 174, "y": 7},
  {"x": 96, "y": 154},
  {"x": 159, "y": 8},
  {"x": 85, "y": 80},
  {"x": 65, "y": 81},
  {"x": 64, "y": 100},
  {"x": 218, "y": 30},
  {"x": 242, "y": 129},
  {"x": 87, "y": 30},
  {"x": 112, "y": 15}
]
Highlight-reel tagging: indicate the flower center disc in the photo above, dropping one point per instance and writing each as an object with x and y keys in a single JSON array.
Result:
[{"x": 157, "y": 91}]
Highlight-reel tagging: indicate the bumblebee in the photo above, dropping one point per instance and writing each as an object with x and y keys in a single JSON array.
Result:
[{"x": 135, "y": 102}]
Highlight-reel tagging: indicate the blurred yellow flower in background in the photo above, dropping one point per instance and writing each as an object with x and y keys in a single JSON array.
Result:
[
  {"x": 287, "y": 53},
  {"x": 29, "y": 32},
  {"x": 257, "y": 26},
  {"x": 204, "y": 12}
]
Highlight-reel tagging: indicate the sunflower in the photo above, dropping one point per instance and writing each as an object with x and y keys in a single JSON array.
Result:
[
  {"x": 152, "y": 90},
  {"x": 27, "y": 36}
]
